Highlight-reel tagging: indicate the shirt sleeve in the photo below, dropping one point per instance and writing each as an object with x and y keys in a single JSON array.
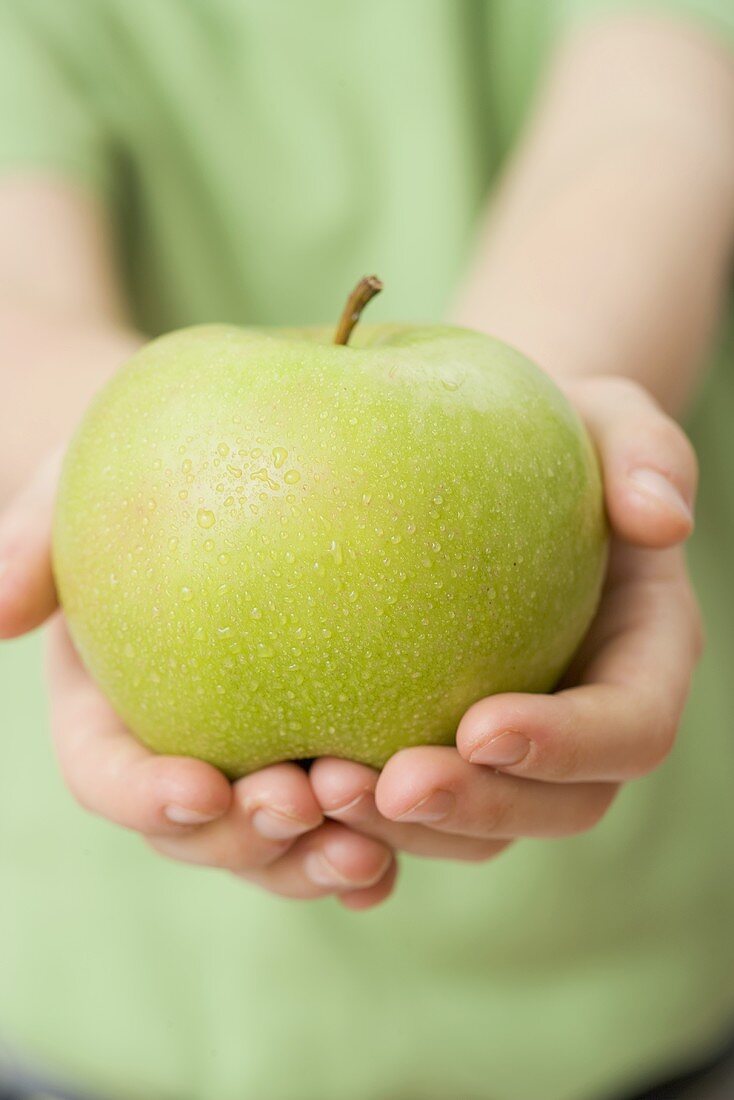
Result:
[{"x": 47, "y": 118}]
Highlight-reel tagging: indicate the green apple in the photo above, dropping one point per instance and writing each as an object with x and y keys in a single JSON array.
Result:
[{"x": 271, "y": 546}]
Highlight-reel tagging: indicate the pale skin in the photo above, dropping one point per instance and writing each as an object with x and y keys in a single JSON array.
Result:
[{"x": 604, "y": 256}]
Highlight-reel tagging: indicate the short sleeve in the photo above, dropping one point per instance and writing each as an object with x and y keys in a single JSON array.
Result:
[{"x": 47, "y": 116}]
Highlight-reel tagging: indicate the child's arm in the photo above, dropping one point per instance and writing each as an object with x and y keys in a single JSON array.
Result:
[
  {"x": 609, "y": 245},
  {"x": 606, "y": 254},
  {"x": 63, "y": 331}
]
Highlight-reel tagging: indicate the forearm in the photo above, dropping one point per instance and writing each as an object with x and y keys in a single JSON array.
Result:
[
  {"x": 608, "y": 246},
  {"x": 63, "y": 329}
]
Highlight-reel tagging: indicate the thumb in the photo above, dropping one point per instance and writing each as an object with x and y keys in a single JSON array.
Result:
[
  {"x": 27, "y": 592},
  {"x": 648, "y": 464}
]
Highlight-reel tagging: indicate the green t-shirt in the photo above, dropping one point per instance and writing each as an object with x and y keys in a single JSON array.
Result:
[{"x": 256, "y": 156}]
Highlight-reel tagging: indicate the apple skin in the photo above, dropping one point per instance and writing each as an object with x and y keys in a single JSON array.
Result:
[{"x": 271, "y": 547}]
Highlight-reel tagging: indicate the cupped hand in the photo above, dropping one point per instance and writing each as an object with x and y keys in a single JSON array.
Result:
[
  {"x": 550, "y": 765},
  {"x": 267, "y": 828}
]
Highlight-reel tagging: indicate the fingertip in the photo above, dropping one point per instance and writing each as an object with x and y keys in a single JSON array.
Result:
[
  {"x": 25, "y": 601},
  {"x": 27, "y": 589},
  {"x": 358, "y": 859},
  {"x": 285, "y": 789},
  {"x": 188, "y": 791},
  {"x": 649, "y": 512},
  {"x": 339, "y": 784},
  {"x": 358, "y": 901},
  {"x": 472, "y": 725},
  {"x": 494, "y": 717},
  {"x": 408, "y": 775}
]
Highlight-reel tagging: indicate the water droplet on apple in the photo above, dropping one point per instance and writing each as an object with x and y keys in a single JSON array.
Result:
[
  {"x": 224, "y": 631},
  {"x": 449, "y": 384},
  {"x": 183, "y": 494},
  {"x": 186, "y": 594},
  {"x": 279, "y": 456},
  {"x": 220, "y": 689},
  {"x": 291, "y": 477},
  {"x": 336, "y": 550},
  {"x": 256, "y": 613},
  {"x": 235, "y": 471},
  {"x": 223, "y": 450},
  {"x": 205, "y": 518},
  {"x": 209, "y": 544},
  {"x": 366, "y": 498},
  {"x": 186, "y": 465},
  {"x": 223, "y": 559}
]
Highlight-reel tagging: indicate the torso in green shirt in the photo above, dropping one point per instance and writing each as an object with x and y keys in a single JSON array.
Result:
[{"x": 257, "y": 157}]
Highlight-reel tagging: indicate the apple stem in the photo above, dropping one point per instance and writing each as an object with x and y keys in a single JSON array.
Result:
[{"x": 364, "y": 292}]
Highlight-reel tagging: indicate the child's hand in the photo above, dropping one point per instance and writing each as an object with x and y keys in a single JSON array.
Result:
[
  {"x": 549, "y": 765},
  {"x": 267, "y": 828}
]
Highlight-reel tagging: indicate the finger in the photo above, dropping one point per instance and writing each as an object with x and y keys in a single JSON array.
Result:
[
  {"x": 269, "y": 810},
  {"x": 649, "y": 466},
  {"x": 330, "y": 860},
  {"x": 434, "y": 786},
  {"x": 346, "y": 793},
  {"x": 621, "y": 721},
  {"x": 359, "y": 900},
  {"x": 107, "y": 770},
  {"x": 27, "y": 592}
]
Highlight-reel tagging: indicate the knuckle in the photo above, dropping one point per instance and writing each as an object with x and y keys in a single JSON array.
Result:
[{"x": 496, "y": 815}]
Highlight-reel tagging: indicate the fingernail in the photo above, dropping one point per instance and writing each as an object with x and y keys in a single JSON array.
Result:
[
  {"x": 654, "y": 484},
  {"x": 347, "y": 806},
  {"x": 433, "y": 807},
  {"x": 182, "y": 815},
  {"x": 277, "y": 826},
  {"x": 323, "y": 873},
  {"x": 502, "y": 751}
]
